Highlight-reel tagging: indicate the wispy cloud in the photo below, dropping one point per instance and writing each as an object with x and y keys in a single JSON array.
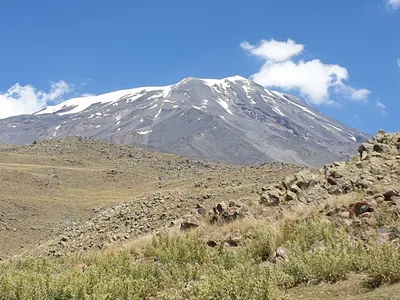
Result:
[
  {"x": 382, "y": 108},
  {"x": 25, "y": 99},
  {"x": 398, "y": 62},
  {"x": 314, "y": 79},
  {"x": 356, "y": 118},
  {"x": 86, "y": 82},
  {"x": 393, "y": 4},
  {"x": 380, "y": 105}
]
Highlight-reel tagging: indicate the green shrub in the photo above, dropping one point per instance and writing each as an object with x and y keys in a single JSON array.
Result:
[
  {"x": 177, "y": 250},
  {"x": 383, "y": 265},
  {"x": 262, "y": 243},
  {"x": 243, "y": 282},
  {"x": 186, "y": 268}
]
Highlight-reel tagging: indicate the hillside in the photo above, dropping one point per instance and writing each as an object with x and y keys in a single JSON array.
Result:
[
  {"x": 273, "y": 232},
  {"x": 50, "y": 186},
  {"x": 232, "y": 119}
]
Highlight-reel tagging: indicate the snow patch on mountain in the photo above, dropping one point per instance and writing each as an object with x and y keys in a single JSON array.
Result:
[
  {"x": 159, "y": 112},
  {"x": 144, "y": 132},
  {"x": 224, "y": 105},
  {"x": 277, "y": 110},
  {"x": 301, "y": 107},
  {"x": 334, "y": 127},
  {"x": 80, "y": 104},
  {"x": 56, "y": 129}
]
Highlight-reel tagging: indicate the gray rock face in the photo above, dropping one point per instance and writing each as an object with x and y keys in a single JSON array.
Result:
[{"x": 232, "y": 119}]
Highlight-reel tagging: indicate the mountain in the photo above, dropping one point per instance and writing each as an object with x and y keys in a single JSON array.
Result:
[{"x": 231, "y": 119}]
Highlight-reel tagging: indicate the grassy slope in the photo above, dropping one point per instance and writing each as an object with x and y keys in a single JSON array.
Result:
[
  {"x": 326, "y": 259},
  {"x": 182, "y": 266}
]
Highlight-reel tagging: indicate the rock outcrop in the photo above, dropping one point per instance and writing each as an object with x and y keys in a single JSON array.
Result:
[{"x": 378, "y": 163}]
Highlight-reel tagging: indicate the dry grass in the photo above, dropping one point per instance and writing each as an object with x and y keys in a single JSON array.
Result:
[
  {"x": 182, "y": 266},
  {"x": 137, "y": 245},
  {"x": 46, "y": 187},
  {"x": 242, "y": 226}
]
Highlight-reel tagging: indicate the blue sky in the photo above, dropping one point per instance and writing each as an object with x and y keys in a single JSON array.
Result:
[{"x": 341, "y": 56}]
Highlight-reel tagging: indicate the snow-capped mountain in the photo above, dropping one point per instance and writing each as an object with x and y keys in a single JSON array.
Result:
[{"x": 231, "y": 119}]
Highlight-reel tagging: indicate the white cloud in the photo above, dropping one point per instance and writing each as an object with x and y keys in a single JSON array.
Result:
[
  {"x": 314, "y": 79},
  {"x": 352, "y": 93},
  {"x": 398, "y": 62},
  {"x": 380, "y": 105},
  {"x": 274, "y": 50},
  {"x": 19, "y": 99},
  {"x": 382, "y": 108},
  {"x": 394, "y": 4},
  {"x": 57, "y": 90}
]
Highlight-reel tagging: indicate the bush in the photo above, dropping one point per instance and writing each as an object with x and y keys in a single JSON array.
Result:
[
  {"x": 243, "y": 282},
  {"x": 383, "y": 265},
  {"x": 262, "y": 243},
  {"x": 177, "y": 250},
  {"x": 185, "y": 268}
]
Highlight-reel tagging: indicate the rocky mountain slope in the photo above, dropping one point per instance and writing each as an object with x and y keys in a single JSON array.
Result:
[
  {"x": 232, "y": 119},
  {"x": 367, "y": 187},
  {"x": 53, "y": 186}
]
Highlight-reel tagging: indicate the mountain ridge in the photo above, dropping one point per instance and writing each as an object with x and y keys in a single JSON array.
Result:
[{"x": 231, "y": 119}]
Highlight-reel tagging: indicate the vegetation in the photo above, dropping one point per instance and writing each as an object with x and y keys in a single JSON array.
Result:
[{"x": 184, "y": 267}]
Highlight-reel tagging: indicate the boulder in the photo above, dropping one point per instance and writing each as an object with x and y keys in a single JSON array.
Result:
[
  {"x": 381, "y": 148},
  {"x": 225, "y": 213},
  {"x": 360, "y": 208},
  {"x": 316, "y": 194},
  {"x": 368, "y": 218},
  {"x": 289, "y": 181},
  {"x": 245, "y": 213},
  {"x": 388, "y": 195},
  {"x": 364, "y": 155},
  {"x": 212, "y": 243},
  {"x": 290, "y": 196},
  {"x": 190, "y": 222},
  {"x": 295, "y": 189},
  {"x": 201, "y": 210},
  {"x": 344, "y": 214},
  {"x": 281, "y": 253},
  {"x": 271, "y": 197},
  {"x": 234, "y": 240},
  {"x": 220, "y": 208},
  {"x": 232, "y": 203}
]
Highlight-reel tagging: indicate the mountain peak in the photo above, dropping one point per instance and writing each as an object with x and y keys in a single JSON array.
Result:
[
  {"x": 234, "y": 78},
  {"x": 231, "y": 119}
]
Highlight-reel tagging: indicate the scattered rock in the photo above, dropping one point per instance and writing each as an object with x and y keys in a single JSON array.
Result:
[
  {"x": 220, "y": 208},
  {"x": 281, "y": 253},
  {"x": 360, "y": 208},
  {"x": 271, "y": 197},
  {"x": 234, "y": 240},
  {"x": 201, "y": 211},
  {"x": 388, "y": 195},
  {"x": 369, "y": 219},
  {"x": 212, "y": 243},
  {"x": 290, "y": 196}
]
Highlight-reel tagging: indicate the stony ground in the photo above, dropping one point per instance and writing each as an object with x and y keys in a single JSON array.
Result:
[
  {"x": 329, "y": 233},
  {"x": 54, "y": 186}
]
